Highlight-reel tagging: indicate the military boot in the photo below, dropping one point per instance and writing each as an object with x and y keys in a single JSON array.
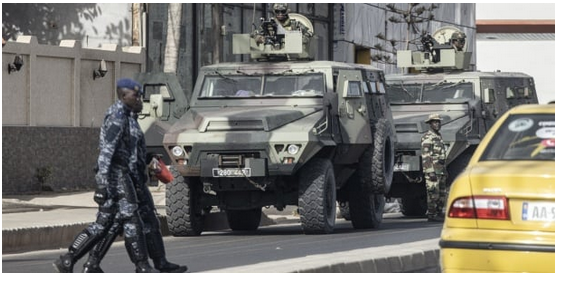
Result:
[
  {"x": 64, "y": 264},
  {"x": 144, "y": 267},
  {"x": 92, "y": 267},
  {"x": 165, "y": 266},
  {"x": 83, "y": 242}
]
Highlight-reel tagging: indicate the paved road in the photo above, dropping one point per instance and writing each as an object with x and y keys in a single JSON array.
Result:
[{"x": 277, "y": 248}]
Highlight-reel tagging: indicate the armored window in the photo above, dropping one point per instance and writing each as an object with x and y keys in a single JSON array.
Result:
[
  {"x": 156, "y": 89},
  {"x": 488, "y": 95},
  {"x": 354, "y": 89},
  {"x": 231, "y": 86},
  {"x": 509, "y": 94}
]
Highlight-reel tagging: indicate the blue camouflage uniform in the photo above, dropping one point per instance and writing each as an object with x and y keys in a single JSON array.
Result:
[
  {"x": 433, "y": 156},
  {"x": 117, "y": 175},
  {"x": 151, "y": 227}
]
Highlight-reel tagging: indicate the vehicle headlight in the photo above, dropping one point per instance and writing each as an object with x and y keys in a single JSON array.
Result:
[
  {"x": 293, "y": 149},
  {"x": 177, "y": 151}
]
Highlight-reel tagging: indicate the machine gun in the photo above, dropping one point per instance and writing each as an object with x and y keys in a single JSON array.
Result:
[
  {"x": 436, "y": 53},
  {"x": 431, "y": 46},
  {"x": 271, "y": 33},
  {"x": 271, "y": 41}
]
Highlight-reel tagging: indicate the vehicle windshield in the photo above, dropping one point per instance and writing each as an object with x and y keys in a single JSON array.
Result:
[
  {"x": 239, "y": 86},
  {"x": 442, "y": 92},
  {"x": 523, "y": 137}
]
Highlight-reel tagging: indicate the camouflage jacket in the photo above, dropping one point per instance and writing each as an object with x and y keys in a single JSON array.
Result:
[
  {"x": 433, "y": 153},
  {"x": 121, "y": 145}
]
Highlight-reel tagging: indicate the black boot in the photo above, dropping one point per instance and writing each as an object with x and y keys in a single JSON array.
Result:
[
  {"x": 144, "y": 267},
  {"x": 165, "y": 266},
  {"x": 64, "y": 264},
  {"x": 82, "y": 243},
  {"x": 92, "y": 267},
  {"x": 100, "y": 250}
]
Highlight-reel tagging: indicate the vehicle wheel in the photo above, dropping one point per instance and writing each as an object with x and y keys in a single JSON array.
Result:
[
  {"x": 184, "y": 216},
  {"x": 414, "y": 206},
  {"x": 244, "y": 220},
  {"x": 380, "y": 158},
  {"x": 317, "y": 202},
  {"x": 366, "y": 207}
]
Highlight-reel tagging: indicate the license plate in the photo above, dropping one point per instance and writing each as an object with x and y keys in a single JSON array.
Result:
[
  {"x": 231, "y": 172},
  {"x": 398, "y": 167},
  {"x": 538, "y": 211}
]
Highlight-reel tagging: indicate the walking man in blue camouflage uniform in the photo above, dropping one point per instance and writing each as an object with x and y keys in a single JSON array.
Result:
[
  {"x": 146, "y": 206},
  {"x": 433, "y": 154},
  {"x": 119, "y": 172}
]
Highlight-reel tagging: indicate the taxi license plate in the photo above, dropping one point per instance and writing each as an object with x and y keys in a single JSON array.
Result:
[
  {"x": 231, "y": 172},
  {"x": 538, "y": 211}
]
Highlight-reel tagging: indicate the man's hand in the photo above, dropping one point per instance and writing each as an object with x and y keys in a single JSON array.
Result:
[
  {"x": 100, "y": 195},
  {"x": 433, "y": 177}
]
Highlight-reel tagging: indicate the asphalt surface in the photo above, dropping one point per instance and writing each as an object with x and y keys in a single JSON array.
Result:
[{"x": 51, "y": 220}]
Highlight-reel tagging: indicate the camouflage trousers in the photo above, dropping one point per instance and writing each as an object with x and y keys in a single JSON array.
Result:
[{"x": 436, "y": 195}]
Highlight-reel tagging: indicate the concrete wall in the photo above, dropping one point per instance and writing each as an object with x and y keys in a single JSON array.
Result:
[
  {"x": 68, "y": 153},
  {"x": 52, "y": 109},
  {"x": 91, "y": 24}
]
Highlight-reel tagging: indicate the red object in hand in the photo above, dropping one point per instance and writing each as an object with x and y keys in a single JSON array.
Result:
[{"x": 164, "y": 175}]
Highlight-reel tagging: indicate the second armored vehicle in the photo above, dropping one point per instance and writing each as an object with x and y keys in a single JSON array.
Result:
[
  {"x": 468, "y": 101},
  {"x": 281, "y": 132}
]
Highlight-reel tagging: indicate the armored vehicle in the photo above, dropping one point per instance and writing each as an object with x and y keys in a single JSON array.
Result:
[
  {"x": 468, "y": 101},
  {"x": 164, "y": 102},
  {"x": 283, "y": 130}
]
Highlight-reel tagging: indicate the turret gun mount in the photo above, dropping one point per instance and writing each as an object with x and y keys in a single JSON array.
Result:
[
  {"x": 437, "y": 53},
  {"x": 278, "y": 42}
]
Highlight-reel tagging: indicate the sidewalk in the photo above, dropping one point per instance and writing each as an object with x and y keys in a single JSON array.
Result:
[{"x": 51, "y": 220}]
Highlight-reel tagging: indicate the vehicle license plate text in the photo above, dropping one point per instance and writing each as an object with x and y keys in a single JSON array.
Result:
[
  {"x": 538, "y": 211},
  {"x": 231, "y": 172}
]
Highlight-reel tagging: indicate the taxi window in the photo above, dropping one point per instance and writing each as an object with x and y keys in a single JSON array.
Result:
[{"x": 523, "y": 137}]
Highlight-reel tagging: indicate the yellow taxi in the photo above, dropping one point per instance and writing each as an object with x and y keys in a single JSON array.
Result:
[{"x": 501, "y": 210}]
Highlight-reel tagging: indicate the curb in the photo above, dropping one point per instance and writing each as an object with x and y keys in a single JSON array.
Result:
[
  {"x": 61, "y": 236},
  {"x": 420, "y": 257}
]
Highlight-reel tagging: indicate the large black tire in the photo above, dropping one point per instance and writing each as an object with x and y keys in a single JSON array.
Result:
[
  {"x": 244, "y": 220},
  {"x": 317, "y": 202},
  {"x": 380, "y": 158},
  {"x": 183, "y": 215},
  {"x": 366, "y": 207}
]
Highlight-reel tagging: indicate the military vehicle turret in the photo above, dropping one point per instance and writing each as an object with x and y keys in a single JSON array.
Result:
[
  {"x": 283, "y": 130},
  {"x": 468, "y": 101}
]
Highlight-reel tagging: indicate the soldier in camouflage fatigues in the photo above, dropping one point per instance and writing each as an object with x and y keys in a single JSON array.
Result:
[
  {"x": 280, "y": 11},
  {"x": 433, "y": 154},
  {"x": 116, "y": 177}
]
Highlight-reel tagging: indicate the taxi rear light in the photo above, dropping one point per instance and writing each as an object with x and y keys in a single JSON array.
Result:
[{"x": 480, "y": 207}]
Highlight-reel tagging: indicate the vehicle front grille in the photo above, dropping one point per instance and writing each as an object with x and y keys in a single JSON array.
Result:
[{"x": 235, "y": 160}]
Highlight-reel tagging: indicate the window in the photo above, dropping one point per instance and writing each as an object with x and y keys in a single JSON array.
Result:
[
  {"x": 156, "y": 89},
  {"x": 523, "y": 137},
  {"x": 354, "y": 89}
]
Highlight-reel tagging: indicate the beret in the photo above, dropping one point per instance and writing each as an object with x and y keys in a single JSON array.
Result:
[{"x": 129, "y": 83}]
